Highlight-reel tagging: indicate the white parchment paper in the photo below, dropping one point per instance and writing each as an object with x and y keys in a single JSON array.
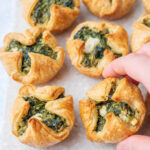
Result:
[{"x": 74, "y": 82}]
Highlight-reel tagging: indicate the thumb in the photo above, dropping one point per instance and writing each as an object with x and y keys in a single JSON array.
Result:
[{"x": 136, "y": 142}]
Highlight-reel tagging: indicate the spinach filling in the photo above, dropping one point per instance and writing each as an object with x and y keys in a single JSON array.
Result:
[
  {"x": 41, "y": 12},
  {"x": 91, "y": 59},
  {"x": 39, "y": 47},
  {"x": 37, "y": 110},
  {"x": 146, "y": 22},
  {"x": 120, "y": 109}
]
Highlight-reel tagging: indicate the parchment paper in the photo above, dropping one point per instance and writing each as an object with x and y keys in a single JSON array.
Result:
[{"x": 74, "y": 82}]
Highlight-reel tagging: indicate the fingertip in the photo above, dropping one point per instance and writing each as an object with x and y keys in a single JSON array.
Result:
[
  {"x": 124, "y": 145},
  {"x": 106, "y": 71},
  {"x": 135, "y": 142},
  {"x": 146, "y": 46},
  {"x": 145, "y": 49},
  {"x": 109, "y": 71}
]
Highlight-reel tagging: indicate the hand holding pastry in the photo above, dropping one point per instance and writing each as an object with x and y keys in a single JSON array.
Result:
[{"x": 137, "y": 67}]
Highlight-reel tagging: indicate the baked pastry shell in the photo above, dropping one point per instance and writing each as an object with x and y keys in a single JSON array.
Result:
[
  {"x": 43, "y": 68},
  {"x": 141, "y": 34},
  {"x": 117, "y": 39},
  {"x": 146, "y": 5},
  {"x": 61, "y": 17},
  {"x": 104, "y": 9},
  {"x": 114, "y": 130},
  {"x": 38, "y": 134}
]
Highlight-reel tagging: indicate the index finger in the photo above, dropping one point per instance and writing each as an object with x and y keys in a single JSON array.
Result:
[{"x": 136, "y": 66}]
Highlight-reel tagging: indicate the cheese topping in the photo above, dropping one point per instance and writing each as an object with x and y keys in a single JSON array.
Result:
[
  {"x": 38, "y": 116},
  {"x": 103, "y": 111},
  {"x": 91, "y": 44}
]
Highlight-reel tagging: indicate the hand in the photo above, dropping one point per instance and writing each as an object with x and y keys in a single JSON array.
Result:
[
  {"x": 135, "y": 142},
  {"x": 137, "y": 67}
]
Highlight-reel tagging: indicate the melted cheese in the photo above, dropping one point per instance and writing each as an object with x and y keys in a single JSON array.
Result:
[
  {"x": 37, "y": 116},
  {"x": 103, "y": 111},
  {"x": 14, "y": 49},
  {"x": 91, "y": 44}
]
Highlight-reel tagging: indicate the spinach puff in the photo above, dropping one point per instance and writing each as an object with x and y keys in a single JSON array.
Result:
[
  {"x": 54, "y": 15},
  {"x": 141, "y": 32},
  {"x": 113, "y": 110},
  {"x": 32, "y": 57},
  {"x": 43, "y": 116},
  {"x": 146, "y": 5},
  {"x": 109, "y": 9},
  {"x": 93, "y": 45}
]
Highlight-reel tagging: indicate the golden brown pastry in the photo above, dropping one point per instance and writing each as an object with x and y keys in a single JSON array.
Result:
[
  {"x": 113, "y": 110},
  {"x": 43, "y": 116},
  {"x": 93, "y": 45},
  {"x": 141, "y": 32},
  {"x": 109, "y": 9},
  {"x": 54, "y": 15},
  {"x": 146, "y": 5},
  {"x": 32, "y": 57}
]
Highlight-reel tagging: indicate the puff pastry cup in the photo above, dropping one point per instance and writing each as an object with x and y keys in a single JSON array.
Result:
[
  {"x": 54, "y": 15},
  {"x": 93, "y": 45},
  {"x": 146, "y": 5},
  {"x": 109, "y": 9},
  {"x": 32, "y": 57},
  {"x": 141, "y": 32},
  {"x": 43, "y": 116},
  {"x": 113, "y": 110}
]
